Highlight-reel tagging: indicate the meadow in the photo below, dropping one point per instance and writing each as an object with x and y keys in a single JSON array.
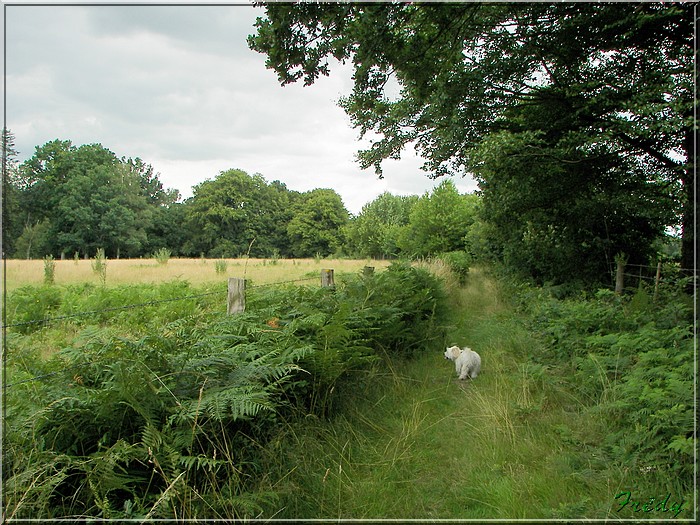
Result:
[{"x": 195, "y": 271}]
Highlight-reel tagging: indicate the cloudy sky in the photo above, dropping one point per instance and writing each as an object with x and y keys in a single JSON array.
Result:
[{"x": 178, "y": 87}]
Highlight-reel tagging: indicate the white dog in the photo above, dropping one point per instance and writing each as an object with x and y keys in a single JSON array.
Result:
[{"x": 467, "y": 362}]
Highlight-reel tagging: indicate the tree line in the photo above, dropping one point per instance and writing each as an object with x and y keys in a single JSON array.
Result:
[
  {"x": 576, "y": 120},
  {"x": 69, "y": 201}
]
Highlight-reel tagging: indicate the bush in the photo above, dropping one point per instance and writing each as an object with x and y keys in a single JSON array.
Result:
[
  {"x": 458, "y": 262},
  {"x": 162, "y": 256},
  {"x": 631, "y": 361}
]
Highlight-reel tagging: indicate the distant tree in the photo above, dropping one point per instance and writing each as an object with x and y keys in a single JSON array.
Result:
[
  {"x": 226, "y": 214},
  {"x": 151, "y": 186},
  {"x": 78, "y": 199},
  {"x": 317, "y": 224},
  {"x": 439, "y": 222},
  {"x": 11, "y": 216},
  {"x": 376, "y": 230}
]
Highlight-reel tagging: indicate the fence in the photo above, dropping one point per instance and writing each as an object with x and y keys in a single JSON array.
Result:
[
  {"x": 235, "y": 304},
  {"x": 627, "y": 276}
]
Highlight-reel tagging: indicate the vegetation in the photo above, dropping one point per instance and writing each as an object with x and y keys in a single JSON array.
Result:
[
  {"x": 577, "y": 119},
  {"x": 146, "y": 401},
  {"x": 337, "y": 403},
  {"x": 168, "y": 421}
]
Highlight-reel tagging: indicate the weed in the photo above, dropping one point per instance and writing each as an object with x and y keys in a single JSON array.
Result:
[
  {"x": 220, "y": 266},
  {"x": 162, "y": 256},
  {"x": 99, "y": 265},
  {"x": 49, "y": 269}
]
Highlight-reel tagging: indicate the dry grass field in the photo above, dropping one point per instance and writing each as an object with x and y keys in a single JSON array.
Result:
[{"x": 196, "y": 271}]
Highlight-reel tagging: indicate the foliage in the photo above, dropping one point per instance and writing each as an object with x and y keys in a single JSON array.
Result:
[
  {"x": 606, "y": 92},
  {"x": 49, "y": 269},
  {"x": 161, "y": 410},
  {"x": 547, "y": 226},
  {"x": 220, "y": 265},
  {"x": 162, "y": 255},
  {"x": 99, "y": 265},
  {"x": 226, "y": 213},
  {"x": 631, "y": 360},
  {"x": 459, "y": 263},
  {"x": 87, "y": 198},
  {"x": 438, "y": 222},
  {"x": 375, "y": 232},
  {"x": 317, "y": 223}
]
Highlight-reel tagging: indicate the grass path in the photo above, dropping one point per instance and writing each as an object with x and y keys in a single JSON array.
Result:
[{"x": 421, "y": 444}]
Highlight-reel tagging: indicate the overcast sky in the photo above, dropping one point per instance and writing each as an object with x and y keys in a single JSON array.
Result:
[{"x": 178, "y": 87}]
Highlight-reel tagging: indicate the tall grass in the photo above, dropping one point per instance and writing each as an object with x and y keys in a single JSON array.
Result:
[
  {"x": 196, "y": 271},
  {"x": 415, "y": 442}
]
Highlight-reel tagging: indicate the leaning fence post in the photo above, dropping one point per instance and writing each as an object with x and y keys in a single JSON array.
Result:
[
  {"x": 327, "y": 277},
  {"x": 236, "y": 296}
]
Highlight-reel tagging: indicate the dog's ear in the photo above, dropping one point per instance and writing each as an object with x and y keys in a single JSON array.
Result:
[{"x": 455, "y": 352}]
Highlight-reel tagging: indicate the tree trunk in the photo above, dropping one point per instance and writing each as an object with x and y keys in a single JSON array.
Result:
[{"x": 690, "y": 220}]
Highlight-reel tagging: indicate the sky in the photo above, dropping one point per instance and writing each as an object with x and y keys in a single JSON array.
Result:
[{"x": 178, "y": 87}]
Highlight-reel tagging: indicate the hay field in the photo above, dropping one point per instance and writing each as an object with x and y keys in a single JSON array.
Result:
[{"x": 196, "y": 271}]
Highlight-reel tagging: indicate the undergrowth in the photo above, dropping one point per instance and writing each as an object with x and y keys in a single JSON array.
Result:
[
  {"x": 337, "y": 403},
  {"x": 162, "y": 411}
]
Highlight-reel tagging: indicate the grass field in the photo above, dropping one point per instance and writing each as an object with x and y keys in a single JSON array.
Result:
[{"x": 195, "y": 271}]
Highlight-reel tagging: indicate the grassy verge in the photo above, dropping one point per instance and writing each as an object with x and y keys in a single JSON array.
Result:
[{"x": 418, "y": 443}]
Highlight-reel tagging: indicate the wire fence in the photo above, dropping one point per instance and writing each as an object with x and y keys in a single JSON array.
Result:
[
  {"x": 47, "y": 320},
  {"x": 665, "y": 272}
]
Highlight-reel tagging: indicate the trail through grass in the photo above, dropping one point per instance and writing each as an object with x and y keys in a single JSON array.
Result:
[{"x": 418, "y": 443}]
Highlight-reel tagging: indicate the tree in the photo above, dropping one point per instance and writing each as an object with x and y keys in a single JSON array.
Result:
[
  {"x": 562, "y": 221},
  {"x": 317, "y": 223},
  {"x": 78, "y": 199},
  {"x": 376, "y": 230},
  {"x": 230, "y": 212},
  {"x": 11, "y": 225},
  {"x": 439, "y": 222},
  {"x": 621, "y": 75}
]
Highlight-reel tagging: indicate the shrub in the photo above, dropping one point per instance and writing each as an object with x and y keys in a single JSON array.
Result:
[
  {"x": 631, "y": 361},
  {"x": 170, "y": 420},
  {"x": 220, "y": 266},
  {"x": 99, "y": 265},
  {"x": 458, "y": 262},
  {"x": 162, "y": 256}
]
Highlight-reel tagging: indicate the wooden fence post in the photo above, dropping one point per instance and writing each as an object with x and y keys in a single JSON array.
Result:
[
  {"x": 327, "y": 277},
  {"x": 236, "y": 296},
  {"x": 656, "y": 281},
  {"x": 621, "y": 261}
]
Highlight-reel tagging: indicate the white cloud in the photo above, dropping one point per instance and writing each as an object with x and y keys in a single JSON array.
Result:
[{"x": 178, "y": 87}]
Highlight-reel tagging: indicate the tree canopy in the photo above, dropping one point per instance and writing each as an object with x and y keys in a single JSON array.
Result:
[{"x": 579, "y": 84}]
